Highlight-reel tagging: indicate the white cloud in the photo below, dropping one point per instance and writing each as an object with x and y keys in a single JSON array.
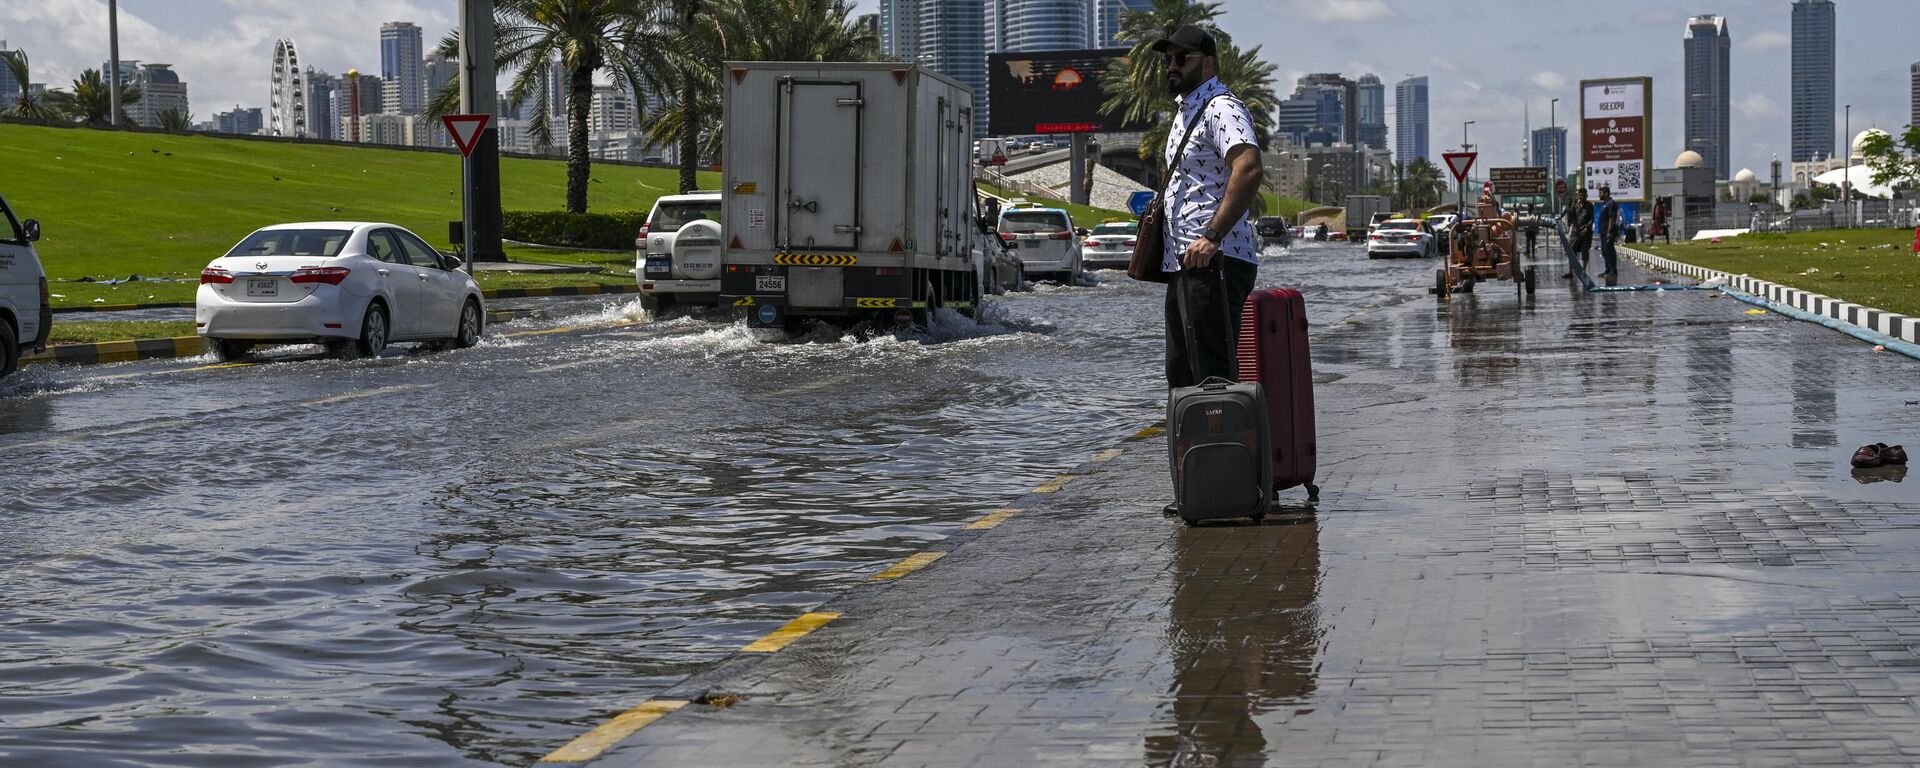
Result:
[
  {"x": 1549, "y": 80},
  {"x": 1344, "y": 10},
  {"x": 1755, "y": 106},
  {"x": 1443, "y": 64},
  {"x": 1767, "y": 42}
]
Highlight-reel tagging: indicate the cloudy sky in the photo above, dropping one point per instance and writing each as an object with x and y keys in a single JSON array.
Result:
[{"x": 1484, "y": 67}]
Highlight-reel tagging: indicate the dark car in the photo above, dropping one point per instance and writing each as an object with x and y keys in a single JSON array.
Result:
[{"x": 1273, "y": 229}]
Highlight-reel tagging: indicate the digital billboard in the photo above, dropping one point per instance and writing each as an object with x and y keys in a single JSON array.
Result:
[
  {"x": 1052, "y": 92},
  {"x": 1616, "y": 118}
]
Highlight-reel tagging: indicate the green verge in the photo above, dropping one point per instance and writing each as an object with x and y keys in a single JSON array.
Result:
[
  {"x": 113, "y": 203},
  {"x": 1870, "y": 267},
  {"x": 1082, "y": 215},
  {"x": 117, "y": 330}
]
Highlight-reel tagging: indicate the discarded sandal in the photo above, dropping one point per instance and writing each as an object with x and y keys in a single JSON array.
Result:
[
  {"x": 1867, "y": 457},
  {"x": 1893, "y": 454}
]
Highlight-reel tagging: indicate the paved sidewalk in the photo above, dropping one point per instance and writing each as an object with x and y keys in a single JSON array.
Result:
[{"x": 1615, "y": 529}]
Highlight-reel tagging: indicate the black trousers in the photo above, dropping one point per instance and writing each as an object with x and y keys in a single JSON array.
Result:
[{"x": 1212, "y": 352}]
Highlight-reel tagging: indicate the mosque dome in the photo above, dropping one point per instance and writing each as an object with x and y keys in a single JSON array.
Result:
[
  {"x": 1745, "y": 175},
  {"x": 1689, "y": 159},
  {"x": 1862, "y": 139}
]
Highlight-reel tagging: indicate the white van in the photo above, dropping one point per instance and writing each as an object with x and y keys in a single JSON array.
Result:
[
  {"x": 26, "y": 316},
  {"x": 990, "y": 151}
]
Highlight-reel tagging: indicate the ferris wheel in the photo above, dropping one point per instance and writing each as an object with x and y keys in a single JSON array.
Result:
[{"x": 289, "y": 102}]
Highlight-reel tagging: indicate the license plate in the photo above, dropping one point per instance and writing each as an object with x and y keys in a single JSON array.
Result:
[
  {"x": 257, "y": 286},
  {"x": 769, "y": 283}
]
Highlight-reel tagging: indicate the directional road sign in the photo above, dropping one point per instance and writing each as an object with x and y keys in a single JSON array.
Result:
[
  {"x": 465, "y": 130},
  {"x": 1139, "y": 201},
  {"x": 1518, "y": 181}
]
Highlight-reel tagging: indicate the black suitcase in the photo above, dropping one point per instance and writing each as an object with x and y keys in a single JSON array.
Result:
[{"x": 1218, "y": 442}]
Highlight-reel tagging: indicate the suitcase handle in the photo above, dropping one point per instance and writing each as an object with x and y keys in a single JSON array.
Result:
[{"x": 1226, "y": 320}]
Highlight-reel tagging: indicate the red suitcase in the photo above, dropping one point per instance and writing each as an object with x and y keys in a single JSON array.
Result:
[{"x": 1273, "y": 351}]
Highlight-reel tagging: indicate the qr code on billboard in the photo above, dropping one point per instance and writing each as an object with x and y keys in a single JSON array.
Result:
[{"x": 1629, "y": 174}]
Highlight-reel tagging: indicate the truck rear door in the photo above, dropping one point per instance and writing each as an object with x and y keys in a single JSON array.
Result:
[{"x": 819, "y": 167}]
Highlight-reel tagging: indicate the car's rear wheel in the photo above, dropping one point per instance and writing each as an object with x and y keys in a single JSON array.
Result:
[
  {"x": 373, "y": 333},
  {"x": 468, "y": 334},
  {"x": 9, "y": 348},
  {"x": 229, "y": 350}
]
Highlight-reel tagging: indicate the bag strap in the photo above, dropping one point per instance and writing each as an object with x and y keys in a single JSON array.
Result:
[{"x": 1173, "y": 163}]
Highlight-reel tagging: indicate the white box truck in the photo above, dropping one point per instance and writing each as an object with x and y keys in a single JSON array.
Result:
[{"x": 849, "y": 193}]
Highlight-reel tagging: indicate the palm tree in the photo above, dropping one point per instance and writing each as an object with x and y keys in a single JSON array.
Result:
[
  {"x": 176, "y": 120},
  {"x": 1140, "y": 95},
  {"x": 585, "y": 37},
  {"x": 22, "y": 104},
  {"x": 707, "y": 33},
  {"x": 89, "y": 101}
]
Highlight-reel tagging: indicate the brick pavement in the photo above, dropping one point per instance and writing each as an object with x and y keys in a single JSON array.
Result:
[{"x": 1605, "y": 530}]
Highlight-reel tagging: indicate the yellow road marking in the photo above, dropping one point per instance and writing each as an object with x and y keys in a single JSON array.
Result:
[
  {"x": 992, "y": 519},
  {"x": 1054, "y": 484},
  {"x": 793, "y": 630},
  {"x": 913, "y": 563},
  {"x": 590, "y": 744},
  {"x": 1148, "y": 432},
  {"x": 366, "y": 393},
  {"x": 1109, "y": 454}
]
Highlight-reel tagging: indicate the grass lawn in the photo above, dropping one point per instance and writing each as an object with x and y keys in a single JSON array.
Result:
[
  {"x": 118, "y": 330},
  {"x": 1082, "y": 215},
  {"x": 1870, "y": 267},
  {"x": 113, "y": 204}
]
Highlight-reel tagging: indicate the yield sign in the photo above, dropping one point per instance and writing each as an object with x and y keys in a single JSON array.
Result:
[
  {"x": 1459, "y": 162},
  {"x": 465, "y": 130}
]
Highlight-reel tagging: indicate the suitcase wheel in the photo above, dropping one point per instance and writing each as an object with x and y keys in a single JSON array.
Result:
[{"x": 1313, "y": 492}]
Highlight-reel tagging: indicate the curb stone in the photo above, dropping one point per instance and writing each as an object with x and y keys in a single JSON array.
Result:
[
  {"x": 90, "y": 353},
  {"x": 1892, "y": 324},
  {"x": 487, "y": 293}
]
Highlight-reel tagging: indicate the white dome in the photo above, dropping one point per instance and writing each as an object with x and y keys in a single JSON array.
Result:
[
  {"x": 1745, "y": 174},
  {"x": 1862, "y": 139},
  {"x": 1689, "y": 159}
]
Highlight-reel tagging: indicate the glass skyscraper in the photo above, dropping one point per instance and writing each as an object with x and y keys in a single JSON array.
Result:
[
  {"x": 401, "y": 66},
  {"x": 1410, "y": 120},
  {"x": 1373, "y": 111},
  {"x": 1107, "y": 35},
  {"x": 952, "y": 42},
  {"x": 900, "y": 29},
  {"x": 1812, "y": 79},
  {"x": 1548, "y": 148},
  {"x": 1708, "y": 95}
]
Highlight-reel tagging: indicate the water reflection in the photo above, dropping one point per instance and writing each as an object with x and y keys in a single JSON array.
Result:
[
  {"x": 1814, "y": 410},
  {"x": 1243, "y": 632}
]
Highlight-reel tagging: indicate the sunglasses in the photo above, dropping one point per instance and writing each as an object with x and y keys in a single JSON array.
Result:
[{"x": 1180, "y": 58}]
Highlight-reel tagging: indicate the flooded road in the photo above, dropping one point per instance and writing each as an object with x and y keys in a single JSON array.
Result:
[{"x": 470, "y": 557}]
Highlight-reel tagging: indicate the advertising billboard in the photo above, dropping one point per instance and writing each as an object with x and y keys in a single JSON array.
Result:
[
  {"x": 1616, "y": 120},
  {"x": 1052, "y": 92}
]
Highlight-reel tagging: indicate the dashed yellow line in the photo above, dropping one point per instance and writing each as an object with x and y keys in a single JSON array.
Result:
[
  {"x": 1148, "y": 432},
  {"x": 1054, "y": 484},
  {"x": 590, "y": 744},
  {"x": 913, "y": 563},
  {"x": 1109, "y": 454},
  {"x": 366, "y": 393},
  {"x": 791, "y": 631},
  {"x": 992, "y": 519}
]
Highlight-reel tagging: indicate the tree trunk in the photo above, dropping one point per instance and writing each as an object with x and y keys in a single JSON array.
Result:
[
  {"x": 689, "y": 124},
  {"x": 579, "y": 163}
]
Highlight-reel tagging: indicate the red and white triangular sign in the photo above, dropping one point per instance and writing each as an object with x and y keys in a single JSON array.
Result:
[
  {"x": 465, "y": 130},
  {"x": 1459, "y": 162}
]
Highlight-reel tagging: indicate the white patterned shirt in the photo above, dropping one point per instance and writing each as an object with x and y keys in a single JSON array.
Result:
[{"x": 1196, "y": 187}]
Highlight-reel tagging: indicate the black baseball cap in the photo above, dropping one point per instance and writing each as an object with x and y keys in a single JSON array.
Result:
[{"x": 1188, "y": 37}]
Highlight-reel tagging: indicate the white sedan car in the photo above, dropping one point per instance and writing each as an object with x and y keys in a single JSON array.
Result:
[
  {"x": 353, "y": 286},
  {"x": 1401, "y": 237}
]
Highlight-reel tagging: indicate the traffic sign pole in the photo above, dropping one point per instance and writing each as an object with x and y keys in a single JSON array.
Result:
[{"x": 466, "y": 130}]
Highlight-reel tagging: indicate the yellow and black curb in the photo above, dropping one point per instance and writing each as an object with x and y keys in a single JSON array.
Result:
[
  {"x": 118, "y": 351},
  {"x": 698, "y": 688}
]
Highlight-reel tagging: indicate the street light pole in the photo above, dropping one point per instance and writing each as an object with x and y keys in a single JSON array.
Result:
[
  {"x": 1553, "y": 154},
  {"x": 1846, "y": 166},
  {"x": 113, "y": 53},
  {"x": 1464, "y": 147}
]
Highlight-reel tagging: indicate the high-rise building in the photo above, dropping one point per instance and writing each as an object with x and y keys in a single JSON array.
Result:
[
  {"x": 1107, "y": 34},
  {"x": 1915, "y": 86},
  {"x": 952, "y": 42},
  {"x": 1313, "y": 116},
  {"x": 900, "y": 29},
  {"x": 1373, "y": 111},
  {"x": 439, "y": 73},
  {"x": 612, "y": 110},
  {"x": 322, "y": 122},
  {"x": 1813, "y": 73},
  {"x": 160, "y": 90},
  {"x": 870, "y": 24},
  {"x": 1548, "y": 149},
  {"x": 369, "y": 90},
  {"x": 241, "y": 120},
  {"x": 1038, "y": 25},
  {"x": 401, "y": 65},
  {"x": 1410, "y": 119},
  {"x": 9, "y": 87},
  {"x": 1709, "y": 92}
]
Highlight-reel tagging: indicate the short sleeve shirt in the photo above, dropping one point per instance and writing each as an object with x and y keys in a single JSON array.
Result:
[{"x": 1196, "y": 187}]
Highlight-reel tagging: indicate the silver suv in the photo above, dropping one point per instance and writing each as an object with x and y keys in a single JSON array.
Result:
[{"x": 677, "y": 253}]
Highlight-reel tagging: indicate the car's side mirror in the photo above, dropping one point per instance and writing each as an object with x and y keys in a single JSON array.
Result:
[
  {"x": 1081, "y": 231},
  {"x": 32, "y": 226},
  {"x": 449, "y": 262}
]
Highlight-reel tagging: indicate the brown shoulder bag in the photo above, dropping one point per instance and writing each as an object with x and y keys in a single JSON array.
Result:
[{"x": 1149, "y": 242}]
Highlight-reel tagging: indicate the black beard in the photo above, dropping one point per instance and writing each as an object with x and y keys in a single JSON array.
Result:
[{"x": 1180, "y": 83}]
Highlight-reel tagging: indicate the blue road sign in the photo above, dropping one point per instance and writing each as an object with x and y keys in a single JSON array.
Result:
[{"x": 1139, "y": 201}]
